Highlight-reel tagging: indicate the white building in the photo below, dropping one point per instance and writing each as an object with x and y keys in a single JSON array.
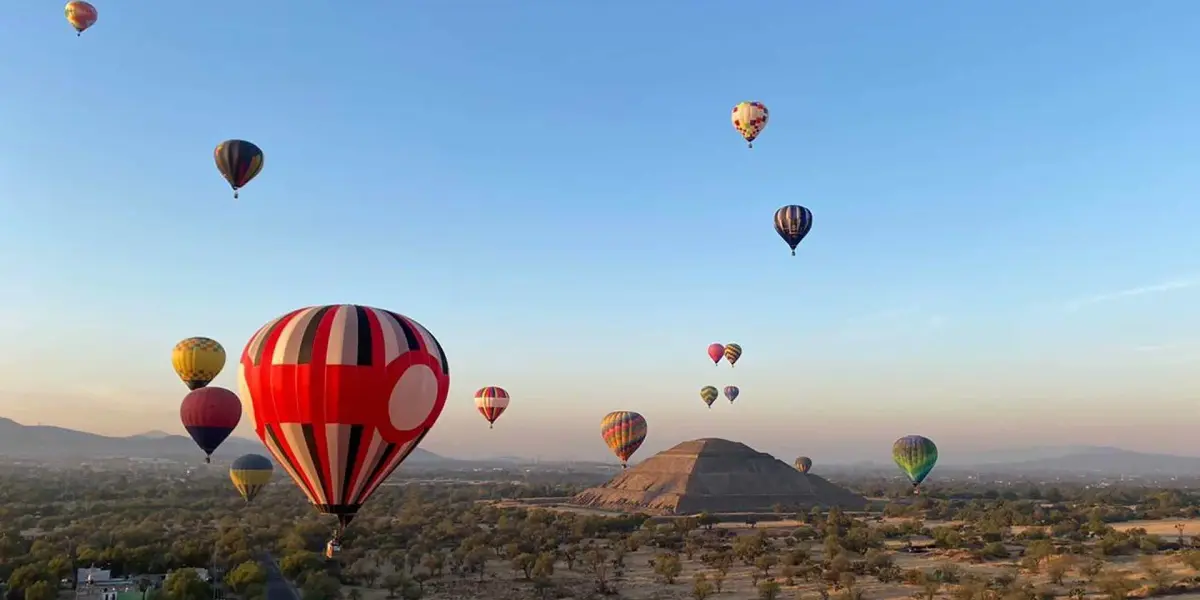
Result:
[{"x": 92, "y": 575}]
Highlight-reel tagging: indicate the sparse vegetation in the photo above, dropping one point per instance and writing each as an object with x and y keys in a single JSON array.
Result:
[{"x": 477, "y": 540}]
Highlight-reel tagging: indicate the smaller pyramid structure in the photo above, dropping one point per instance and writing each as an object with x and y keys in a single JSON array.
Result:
[{"x": 716, "y": 476}]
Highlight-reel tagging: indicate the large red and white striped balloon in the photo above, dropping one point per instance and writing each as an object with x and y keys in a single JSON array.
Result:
[{"x": 341, "y": 395}]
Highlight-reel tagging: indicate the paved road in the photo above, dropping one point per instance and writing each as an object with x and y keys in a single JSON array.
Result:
[{"x": 278, "y": 587}]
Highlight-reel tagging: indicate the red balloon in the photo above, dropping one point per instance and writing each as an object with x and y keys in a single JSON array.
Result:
[
  {"x": 341, "y": 396},
  {"x": 716, "y": 352},
  {"x": 210, "y": 414}
]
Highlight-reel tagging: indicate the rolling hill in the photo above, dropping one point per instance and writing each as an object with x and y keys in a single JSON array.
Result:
[{"x": 46, "y": 442}]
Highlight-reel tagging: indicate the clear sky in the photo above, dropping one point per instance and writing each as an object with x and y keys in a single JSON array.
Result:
[{"x": 1005, "y": 250}]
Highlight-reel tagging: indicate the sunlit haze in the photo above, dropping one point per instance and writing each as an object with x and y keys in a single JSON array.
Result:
[{"x": 1005, "y": 196}]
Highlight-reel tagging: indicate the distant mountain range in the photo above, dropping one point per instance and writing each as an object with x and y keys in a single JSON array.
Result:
[
  {"x": 42, "y": 442},
  {"x": 1094, "y": 459},
  {"x": 1075, "y": 460}
]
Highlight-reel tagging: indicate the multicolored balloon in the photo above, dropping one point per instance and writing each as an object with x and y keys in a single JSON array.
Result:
[
  {"x": 749, "y": 119},
  {"x": 197, "y": 361},
  {"x": 341, "y": 395},
  {"x": 792, "y": 223},
  {"x": 716, "y": 352},
  {"x": 803, "y": 464},
  {"x": 210, "y": 414},
  {"x": 81, "y": 15},
  {"x": 732, "y": 353},
  {"x": 709, "y": 395},
  {"x": 916, "y": 456},
  {"x": 731, "y": 393},
  {"x": 491, "y": 402},
  {"x": 623, "y": 431},
  {"x": 238, "y": 161},
  {"x": 251, "y": 473}
]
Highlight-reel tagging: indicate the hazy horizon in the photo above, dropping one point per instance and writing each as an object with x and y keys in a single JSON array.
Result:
[{"x": 1003, "y": 253}]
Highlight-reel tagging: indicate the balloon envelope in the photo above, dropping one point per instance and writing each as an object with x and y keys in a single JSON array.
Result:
[
  {"x": 731, "y": 393},
  {"x": 716, "y": 352},
  {"x": 749, "y": 119},
  {"x": 803, "y": 464},
  {"x": 709, "y": 395},
  {"x": 197, "y": 361},
  {"x": 250, "y": 473},
  {"x": 210, "y": 414},
  {"x": 239, "y": 162},
  {"x": 341, "y": 395},
  {"x": 491, "y": 401},
  {"x": 623, "y": 431},
  {"x": 81, "y": 15},
  {"x": 792, "y": 223},
  {"x": 732, "y": 353},
  {"x": 915, "y": 455}
]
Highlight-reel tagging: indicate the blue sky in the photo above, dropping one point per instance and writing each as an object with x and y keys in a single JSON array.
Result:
[{"x": 1004, "y": 250}]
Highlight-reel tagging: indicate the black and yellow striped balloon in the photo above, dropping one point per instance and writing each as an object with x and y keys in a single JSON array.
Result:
[{"x": 250, "y": 473}]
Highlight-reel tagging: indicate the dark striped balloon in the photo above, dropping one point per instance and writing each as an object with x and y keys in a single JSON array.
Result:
[
  {"x": 792, "y": 223},
  {"x": 238, "y": 161}
]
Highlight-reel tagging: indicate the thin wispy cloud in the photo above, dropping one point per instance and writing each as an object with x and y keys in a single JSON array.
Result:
[{"x": 1158, "y": 288}]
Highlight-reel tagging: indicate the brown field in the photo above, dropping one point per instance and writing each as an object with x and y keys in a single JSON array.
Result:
[
  {"x": 639, "y": 582},
  {"x": 1164, "y": 527}
]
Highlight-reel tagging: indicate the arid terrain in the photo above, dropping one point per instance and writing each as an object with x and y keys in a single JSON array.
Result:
[{"x": 445, "y": 539}]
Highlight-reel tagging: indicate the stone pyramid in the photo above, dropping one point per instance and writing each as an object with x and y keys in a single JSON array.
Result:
[{"x": 716, "y": 476}]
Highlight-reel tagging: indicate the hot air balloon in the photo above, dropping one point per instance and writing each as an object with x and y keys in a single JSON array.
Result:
[
  {"x": 623, "y": 431},
  {"x": 210, "y": 414},
  {"x": 915, "y": 455},
  {"x": 491, "y": 402},
  {"x": 197, "y": 361},
  {"x": 792, "y": 223},
  {"x": 803, "y": 464},
  {"x": 81, "y": 15},
  {"x": 251, "y": 473},
  {"x": 732, "y": 353},
  {"x": 238, "y": 161},
  {"x": 341, "y": 395},
  {"x": 709, "y": 395},
  {"x": 749, "y": 119},
  {"x": 715, "y": 352},
  {"x": 731, "y": 393}
]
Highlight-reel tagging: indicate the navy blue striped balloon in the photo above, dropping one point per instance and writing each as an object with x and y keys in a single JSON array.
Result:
[{"x": 792, "y": 223}]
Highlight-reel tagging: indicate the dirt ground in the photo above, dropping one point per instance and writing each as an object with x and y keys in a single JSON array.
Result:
[{"x": 1163, "y": 527}]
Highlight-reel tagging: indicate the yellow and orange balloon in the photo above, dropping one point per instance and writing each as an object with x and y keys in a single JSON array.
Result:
[{"x": 81, "y": 15}]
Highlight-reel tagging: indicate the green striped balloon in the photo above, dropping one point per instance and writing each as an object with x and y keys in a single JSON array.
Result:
[{"x": 915, "y": 455}]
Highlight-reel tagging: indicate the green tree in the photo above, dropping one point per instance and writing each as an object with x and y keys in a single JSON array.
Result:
[
  {"x": 40, "y": 590},
  {"x": 320, "y": 586},
  {"x": 245, "y": 575},
  {"x": 769, "y": 590},
  {"x": 668, "y": 566},
  {"x": 185, "y": 584}
]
